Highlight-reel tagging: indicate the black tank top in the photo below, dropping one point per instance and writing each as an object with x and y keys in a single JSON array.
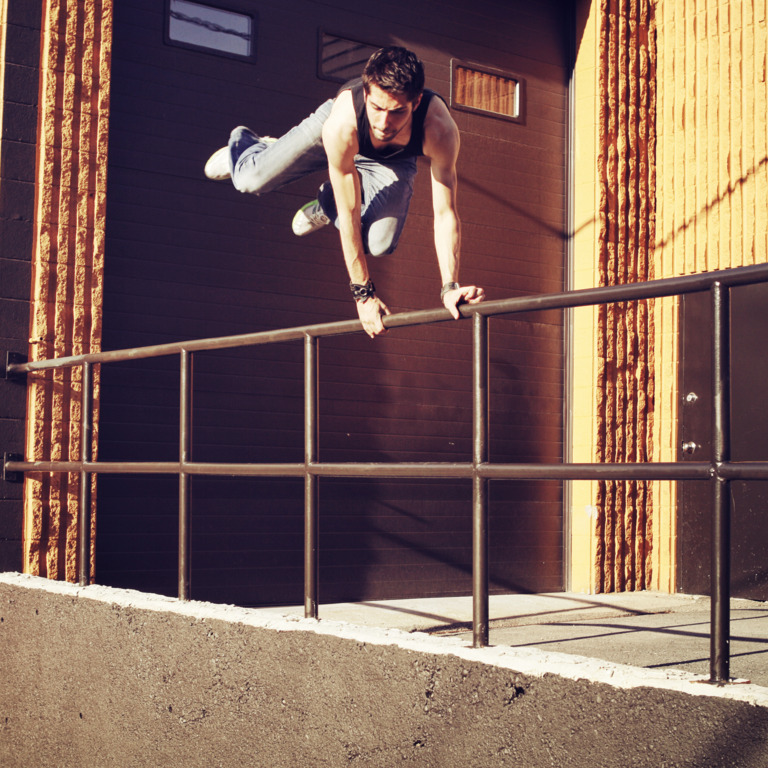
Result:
[{"x": 414, "y": 147}]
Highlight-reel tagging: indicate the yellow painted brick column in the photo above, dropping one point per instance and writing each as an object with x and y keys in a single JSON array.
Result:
[
  {"x": 582, "y": 513},
  {"x": 68, "y": 264},
  {"x": 707, "y": 198},
  {"x": 712, "y": 170}
]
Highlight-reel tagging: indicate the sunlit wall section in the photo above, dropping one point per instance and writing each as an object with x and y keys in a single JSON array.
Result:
[
  {"x": 67, "y": 264},
  {"x": 712, "y": 192},
  {"x": 613, "y": 359}
]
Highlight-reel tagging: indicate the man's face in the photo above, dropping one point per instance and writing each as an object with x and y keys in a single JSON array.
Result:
[{"x": 388, "y": 113}]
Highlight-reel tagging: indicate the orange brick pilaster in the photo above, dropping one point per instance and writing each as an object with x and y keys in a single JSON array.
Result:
[{"x": 67, "y": 264}]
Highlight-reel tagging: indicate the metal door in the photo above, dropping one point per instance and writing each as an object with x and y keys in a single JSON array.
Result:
[{"x": 749, "y": 441}]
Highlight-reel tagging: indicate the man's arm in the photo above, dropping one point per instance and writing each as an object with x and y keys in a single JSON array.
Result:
[
  {"x": 341, "y": 145},
  {"x": 441, "y": 146}
]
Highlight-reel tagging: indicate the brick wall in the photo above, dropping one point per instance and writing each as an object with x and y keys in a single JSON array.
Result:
[{"x": 19, "y": 69}]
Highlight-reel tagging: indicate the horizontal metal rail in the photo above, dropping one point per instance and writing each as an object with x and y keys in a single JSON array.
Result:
[
  {"x": 654, "y": 289},
  {"x": 720, "y": 471},
  {"x": 699, "y": 470}
]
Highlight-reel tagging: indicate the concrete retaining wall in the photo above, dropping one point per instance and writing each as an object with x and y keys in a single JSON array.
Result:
[{"x": 102, "y": 677}]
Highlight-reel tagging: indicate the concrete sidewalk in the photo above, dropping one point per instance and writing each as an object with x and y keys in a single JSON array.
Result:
[{"x": 642, "y": 629}]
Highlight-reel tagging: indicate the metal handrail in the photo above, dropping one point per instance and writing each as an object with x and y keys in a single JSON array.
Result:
[{"x": 720, "y": 470}]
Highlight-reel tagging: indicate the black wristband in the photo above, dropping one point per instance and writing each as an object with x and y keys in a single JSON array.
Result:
[
  {"x": 448, "y": 287},
  {"x": 362, "y": 293}
]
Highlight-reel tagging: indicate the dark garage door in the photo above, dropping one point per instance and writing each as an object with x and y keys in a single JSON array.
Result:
[{"x": 190, "y": 258}]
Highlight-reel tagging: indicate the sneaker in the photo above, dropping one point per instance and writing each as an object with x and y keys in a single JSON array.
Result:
[
  {"x": 309, "y": 218},
  {"x": 217, "y": 167}
]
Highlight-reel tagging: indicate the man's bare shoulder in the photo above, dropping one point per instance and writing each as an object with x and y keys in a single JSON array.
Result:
[
  {"x": 340, "y": 131},
  {"x": 342, "y": 115},
  {"x": 441, "y": 134}
]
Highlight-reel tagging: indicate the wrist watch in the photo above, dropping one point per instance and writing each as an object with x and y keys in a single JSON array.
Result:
[
  {"x": 362, "y": 293},
  {"x": 448, "y": 287}
]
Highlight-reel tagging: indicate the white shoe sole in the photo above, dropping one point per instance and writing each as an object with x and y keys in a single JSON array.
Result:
[{"x": 217, "y": 167}]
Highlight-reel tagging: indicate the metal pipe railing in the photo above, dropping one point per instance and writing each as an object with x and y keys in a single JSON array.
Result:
[
  {"x": 185, "y": 447},
  {"x": 86, "y": 445},
  {"x": 720, "y": 470},
  {"x": 311, "y": 514},
  {"x": 654, "y": 289},
  {"x": 721, "y": 504},
  {"x": 694, "y": 470},
  {"x": 480, "y": 600}
]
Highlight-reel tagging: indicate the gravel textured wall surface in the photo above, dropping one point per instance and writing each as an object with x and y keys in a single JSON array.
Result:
[{"x": 102, "y": 677}]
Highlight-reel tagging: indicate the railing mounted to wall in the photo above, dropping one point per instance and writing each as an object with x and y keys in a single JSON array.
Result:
[{"x": 720, "y": 470}]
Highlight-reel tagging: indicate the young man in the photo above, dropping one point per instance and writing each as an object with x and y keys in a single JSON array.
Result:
[{"x": 368, "y": 137}]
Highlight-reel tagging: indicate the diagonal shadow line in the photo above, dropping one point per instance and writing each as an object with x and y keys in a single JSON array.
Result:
[
  {"x": 705, "y": 209},
  {"x": 691, "y": 220},
  {"x": 466, "y": 567},
  {"x": 703, "y": 659},
  {"x": 559, "y": 231},
  {"x": 582, "y": 605},
  {"x": 463, "y": 566},
  {"x": 451, "y": 622},
  {"x": 624, "y": 630}
]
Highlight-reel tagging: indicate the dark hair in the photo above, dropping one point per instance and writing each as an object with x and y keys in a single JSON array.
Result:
[{"x": 395, "y": 70}]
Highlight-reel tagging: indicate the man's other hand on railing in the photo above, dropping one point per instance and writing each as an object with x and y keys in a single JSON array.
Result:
[
  {"x": 371, "y": 312},
  {"x": 464, "y": 294}
]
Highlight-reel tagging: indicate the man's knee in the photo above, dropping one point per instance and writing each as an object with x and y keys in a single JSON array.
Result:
[
  {"x": 246, "y": 178},
  {"x": 247, "y": 174},
  {"x": 383, "y": 235}
]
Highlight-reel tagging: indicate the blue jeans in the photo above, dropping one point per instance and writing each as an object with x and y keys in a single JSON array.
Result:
[{"x": 386, "y": 188}]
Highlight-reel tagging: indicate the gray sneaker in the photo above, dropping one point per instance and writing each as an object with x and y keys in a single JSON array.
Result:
[
  {"x": 309, "y": 218},
  {"x": 217, "y": 167}
]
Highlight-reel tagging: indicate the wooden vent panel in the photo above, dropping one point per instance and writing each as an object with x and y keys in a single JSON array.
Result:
[{"x": 486, "y": 91}]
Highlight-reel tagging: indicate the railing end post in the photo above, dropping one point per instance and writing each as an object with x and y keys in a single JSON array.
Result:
[
  {"x": 311, "y": 609},
  {"x": 11, "y": 359},
  {"x": 480, "y": 635},
  {"x": 9, "y": 475}
]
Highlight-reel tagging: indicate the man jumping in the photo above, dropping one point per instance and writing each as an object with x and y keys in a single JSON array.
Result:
[{"x": 368, "y": 138}]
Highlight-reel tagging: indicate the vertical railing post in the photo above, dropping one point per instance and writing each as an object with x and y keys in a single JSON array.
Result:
[
  {"x": 479, "y": 484},
  {"x": 311, "y": 523},
  {"x": 185, "y": 430},
  {"x": 721, "y": 502},
  {"x": 86, "y": 444}
]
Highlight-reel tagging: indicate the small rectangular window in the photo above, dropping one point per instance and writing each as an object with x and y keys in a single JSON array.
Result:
[
  {"x": 486, "y": 91},
  {"x": 204, "y": 27},
  {"x": 340, "y": 59}
]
